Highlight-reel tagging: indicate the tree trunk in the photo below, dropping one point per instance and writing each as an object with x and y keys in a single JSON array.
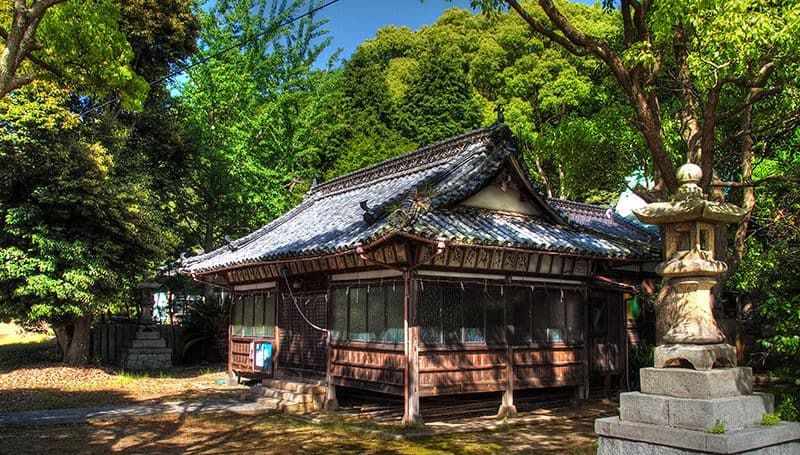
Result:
[{"x": 73, "y": 340}]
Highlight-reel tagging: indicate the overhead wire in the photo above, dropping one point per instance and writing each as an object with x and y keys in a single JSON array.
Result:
[{"x": 237, "y": 45}]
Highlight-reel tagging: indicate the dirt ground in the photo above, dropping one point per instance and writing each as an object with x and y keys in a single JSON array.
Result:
[
  {"x": 552, "y": 431},
  {"x": 31, "y": 378}
]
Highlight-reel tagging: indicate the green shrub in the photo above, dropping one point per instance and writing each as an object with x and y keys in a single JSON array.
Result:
[
  {"x": 770, "y": 420},
  {"x": 787, "y": 409}
]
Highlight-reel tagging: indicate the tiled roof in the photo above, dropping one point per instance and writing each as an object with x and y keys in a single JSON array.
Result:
[
  {"x": 413, "y": 193},
  {"x": 605, "y": 221},
  {"x": 489, "y": 227}
]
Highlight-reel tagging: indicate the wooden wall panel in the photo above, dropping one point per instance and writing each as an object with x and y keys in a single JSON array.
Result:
[
  {"x": 369, "y": 367},
  {"x": 484, "y": 369}
]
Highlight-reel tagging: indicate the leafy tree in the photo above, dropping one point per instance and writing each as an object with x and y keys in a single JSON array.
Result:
[
  {"x": 769, "y": 273},
  {"x": 406, "y": 88},
  {"x": 75, "y": 229},
  {"x": 709, "y": 83},
  {"x": 82, "y": 202},
  {"x": 250, "y": 107},
  {"x": 78, "y": 42}
]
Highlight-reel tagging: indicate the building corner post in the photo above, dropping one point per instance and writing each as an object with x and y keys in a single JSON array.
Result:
[{"x": 411, "y": 409}]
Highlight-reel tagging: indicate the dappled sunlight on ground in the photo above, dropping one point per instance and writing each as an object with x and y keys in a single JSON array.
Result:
[{"x": 565, "y": 430}]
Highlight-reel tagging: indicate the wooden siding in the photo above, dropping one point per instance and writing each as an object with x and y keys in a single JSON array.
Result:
[
  {"x": 368, "y": 366},
  {"x": 240, "y": 359},
  {"x": 484, "y": 369},
  {"x": 301, "y": 347}
]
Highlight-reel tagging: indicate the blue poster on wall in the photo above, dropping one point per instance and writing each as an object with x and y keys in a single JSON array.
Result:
[{"x": 263, "y": 357}]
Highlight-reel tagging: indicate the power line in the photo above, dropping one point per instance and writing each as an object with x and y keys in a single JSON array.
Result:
[{"x": 236, "y": 45}]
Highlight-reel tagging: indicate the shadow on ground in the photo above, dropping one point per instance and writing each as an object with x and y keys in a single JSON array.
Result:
[{"x": 563, "y": 430}]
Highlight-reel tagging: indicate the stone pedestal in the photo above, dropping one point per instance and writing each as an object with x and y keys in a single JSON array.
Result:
[
  {"x": 677, "y": 407},
  {"x": 701, "y": 356},
  {"x": 147, "y": 351}
]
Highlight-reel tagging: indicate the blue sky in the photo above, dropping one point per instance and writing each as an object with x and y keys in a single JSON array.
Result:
[{"x": 354, "y": 21}]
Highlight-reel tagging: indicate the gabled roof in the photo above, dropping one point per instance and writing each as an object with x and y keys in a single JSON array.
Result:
[
  {"x": 606, "y": 221},
  {"x": 416, "y": 194}
]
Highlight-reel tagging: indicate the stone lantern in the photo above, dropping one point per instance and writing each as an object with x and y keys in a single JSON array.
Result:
[
  {"x": 690, "y": 269},
  {"x": 695, "y": 399}
]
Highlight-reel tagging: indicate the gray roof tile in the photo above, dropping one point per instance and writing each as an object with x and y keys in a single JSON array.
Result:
[{"x": 425, "y": 184}]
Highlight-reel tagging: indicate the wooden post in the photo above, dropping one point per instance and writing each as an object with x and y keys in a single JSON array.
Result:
[
  {"x": 331, "y": 403},
  {"x": 276, "y": 331},
  {"x": 583, "y": 391},
  {"x": 411, "y": 411},
  {"x": 507, "y": 407},
  {"x": 232, "y": 377}
]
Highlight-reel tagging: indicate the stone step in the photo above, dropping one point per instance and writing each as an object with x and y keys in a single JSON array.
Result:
[
  {"x": 695, "y": 414},
  {"x": 155, "y": 344},
  {"x": 147, "y": 335},
  {"x": 287, "y": 406},
  {"x": 285, "y": 395},
  {"x": 316, "y": 387},
  {"x": 146, "y": 350}
]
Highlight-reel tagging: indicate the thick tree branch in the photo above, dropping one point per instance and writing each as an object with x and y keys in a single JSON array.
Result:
[
  {"x": 627, "y": 22},
  {"x": 751, "y": 99},
  {"x": 707, "y": 134},
  {"x": 546, "y": 32},
  {"x": 759, "y": 182},
  {"x": 19, "y": 41}
]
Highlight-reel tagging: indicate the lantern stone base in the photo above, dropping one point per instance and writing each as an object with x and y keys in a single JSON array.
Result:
[
  {"x": 686, "y": 383},
  {"x": 678, "y": 407},
  {"x": 701, "y": 356},
  {"x": 618, "y": 437}
]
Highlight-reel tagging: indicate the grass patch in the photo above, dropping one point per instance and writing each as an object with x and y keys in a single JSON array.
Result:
[{"x": 718, "y": 428}]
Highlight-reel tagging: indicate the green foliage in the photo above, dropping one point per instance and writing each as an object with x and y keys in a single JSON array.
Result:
[
  {"x": 789, "y": 407},
  {"x": 252, "y": 113},
  {"x": 81, "y": 211},
  {"x": 404, "y": 89},
  {"x": 206, "y": 324},
  {"x": 770, "y": 270},
  {"x": 770, "y": 420},
  {"x": 75, "y": 228},
  {"x": 717, "y": 428},
  {"x": 81, "y": 45}
]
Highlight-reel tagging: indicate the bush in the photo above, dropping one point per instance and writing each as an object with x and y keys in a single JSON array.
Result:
[
  {"x": 641, "y": 356},
  {"x": 770, "y": 420},
  {"x": 788, "y": 407},
  {"x": 206, "y": 326}
]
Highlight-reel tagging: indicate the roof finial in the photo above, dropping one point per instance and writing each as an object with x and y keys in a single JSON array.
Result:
[{"x": 500, "y": 116}]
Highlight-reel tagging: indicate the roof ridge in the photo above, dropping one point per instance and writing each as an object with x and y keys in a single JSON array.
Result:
[
  {"x": 581, "y": 205},
  {"x": 406, "y": 162}
]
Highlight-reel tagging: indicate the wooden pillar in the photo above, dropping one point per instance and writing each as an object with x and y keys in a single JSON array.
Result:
[
  {"x": 583, "y": 391},
  {"x": 411, "y": 410},
  {"x": 623, "y": 318},
  {"x": 331, "y": 403},
  {"x": 232, "y": 377},
  {"x": 507, "y": 407}
]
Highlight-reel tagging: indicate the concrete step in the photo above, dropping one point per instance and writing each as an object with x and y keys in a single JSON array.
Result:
[
  {"x": 316, "y": 387},
  {"x": 151, "y": 344},
  {"x": 287, "y": 406},
  {"x": 146, "y": 350},
  {"x": 284, "y": 395},
  {"x": 147, "y": 335}
]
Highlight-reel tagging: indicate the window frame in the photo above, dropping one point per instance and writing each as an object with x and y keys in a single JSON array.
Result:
[
  {"x": 248, "y": 329},
  {"x": 537, "y": 296},
  {"x": 388, "y": 291}
]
